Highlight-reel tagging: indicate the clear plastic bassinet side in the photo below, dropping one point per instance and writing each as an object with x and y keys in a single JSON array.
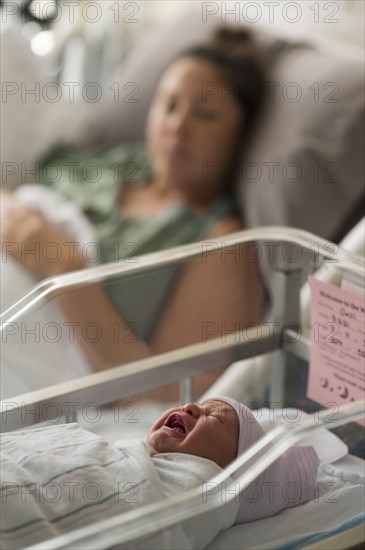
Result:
[
  {"x": 43, "y": 346},
  {"x": 286, "y": 258}
]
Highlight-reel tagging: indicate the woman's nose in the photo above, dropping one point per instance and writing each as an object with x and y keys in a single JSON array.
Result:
[
  {"x": 179, "y": 123},
  {"x": 193, "y": 409}
]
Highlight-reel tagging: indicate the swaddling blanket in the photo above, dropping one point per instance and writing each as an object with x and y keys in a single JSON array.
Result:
[{"x": 59, "y": 478}]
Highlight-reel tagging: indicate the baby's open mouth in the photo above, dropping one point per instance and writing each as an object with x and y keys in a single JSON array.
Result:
[{"x": 175, "y": 422}]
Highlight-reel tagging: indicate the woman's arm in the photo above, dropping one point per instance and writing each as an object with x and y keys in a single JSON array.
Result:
[
  {"x": 35, "y": 243},
  {"x": 113, "y": 342},
  {"x": 220, "y": 291}
]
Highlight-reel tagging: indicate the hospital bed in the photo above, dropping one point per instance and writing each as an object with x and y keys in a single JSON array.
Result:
[{"x": 284, "y": 336}]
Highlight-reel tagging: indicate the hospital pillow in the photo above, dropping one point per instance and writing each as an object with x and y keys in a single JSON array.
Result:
[{"x": 305, "y": 165}]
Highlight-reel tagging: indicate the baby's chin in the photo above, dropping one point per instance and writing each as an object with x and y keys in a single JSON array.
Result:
[
  {"x": 161, "y": 441},
  {"x": 149, "y": 441},
  {"x": 155, "y": 445}
]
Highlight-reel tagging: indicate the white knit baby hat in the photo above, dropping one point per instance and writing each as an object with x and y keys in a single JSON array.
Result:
[{"x": 287, "y": 482}]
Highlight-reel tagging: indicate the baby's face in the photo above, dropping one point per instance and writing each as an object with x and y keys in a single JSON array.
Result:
[{"x": 209, "y": 430}]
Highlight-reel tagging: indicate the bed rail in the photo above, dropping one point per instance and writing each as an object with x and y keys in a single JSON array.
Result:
[
  {"x": 322, "y": 251},
  {"x": 66, "y": 399}
]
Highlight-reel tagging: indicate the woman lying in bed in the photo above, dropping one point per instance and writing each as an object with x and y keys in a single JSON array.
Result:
[
  {"x": 59, "y": 478},
  {"x": 133, "y": 200}
]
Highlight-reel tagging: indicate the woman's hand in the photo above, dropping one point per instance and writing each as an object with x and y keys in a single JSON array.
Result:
[{"x": 27, "y": 237}]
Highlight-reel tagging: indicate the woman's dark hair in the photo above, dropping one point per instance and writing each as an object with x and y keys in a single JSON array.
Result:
[{"x": 235, "y": 54}]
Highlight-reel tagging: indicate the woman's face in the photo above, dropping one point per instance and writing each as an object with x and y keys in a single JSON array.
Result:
[
  {"x": 209, "y": 430},
  {"x": 193, "y": 127}
]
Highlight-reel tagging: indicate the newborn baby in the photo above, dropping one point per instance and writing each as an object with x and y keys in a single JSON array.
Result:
[
  {"x": 222, "y": 429},
  {"x": 61, "y": 477}
]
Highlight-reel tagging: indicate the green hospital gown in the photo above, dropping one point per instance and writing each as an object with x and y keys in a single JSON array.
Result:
[{"x": 94, "y": 181}]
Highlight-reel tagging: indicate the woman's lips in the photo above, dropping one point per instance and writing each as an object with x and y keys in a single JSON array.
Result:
[{"x": 177, "y": 152}]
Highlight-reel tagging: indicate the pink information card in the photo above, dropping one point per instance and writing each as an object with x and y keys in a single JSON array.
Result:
[{"x": 337, "y": 358}]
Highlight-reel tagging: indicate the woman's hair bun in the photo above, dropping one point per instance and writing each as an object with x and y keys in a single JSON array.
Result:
[
  {"x": 237, "y": 42},
  {"x": 231, "y": 36}
]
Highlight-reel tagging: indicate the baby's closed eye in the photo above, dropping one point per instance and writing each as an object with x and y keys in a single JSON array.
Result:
[{"x": 217, "y": 416}]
